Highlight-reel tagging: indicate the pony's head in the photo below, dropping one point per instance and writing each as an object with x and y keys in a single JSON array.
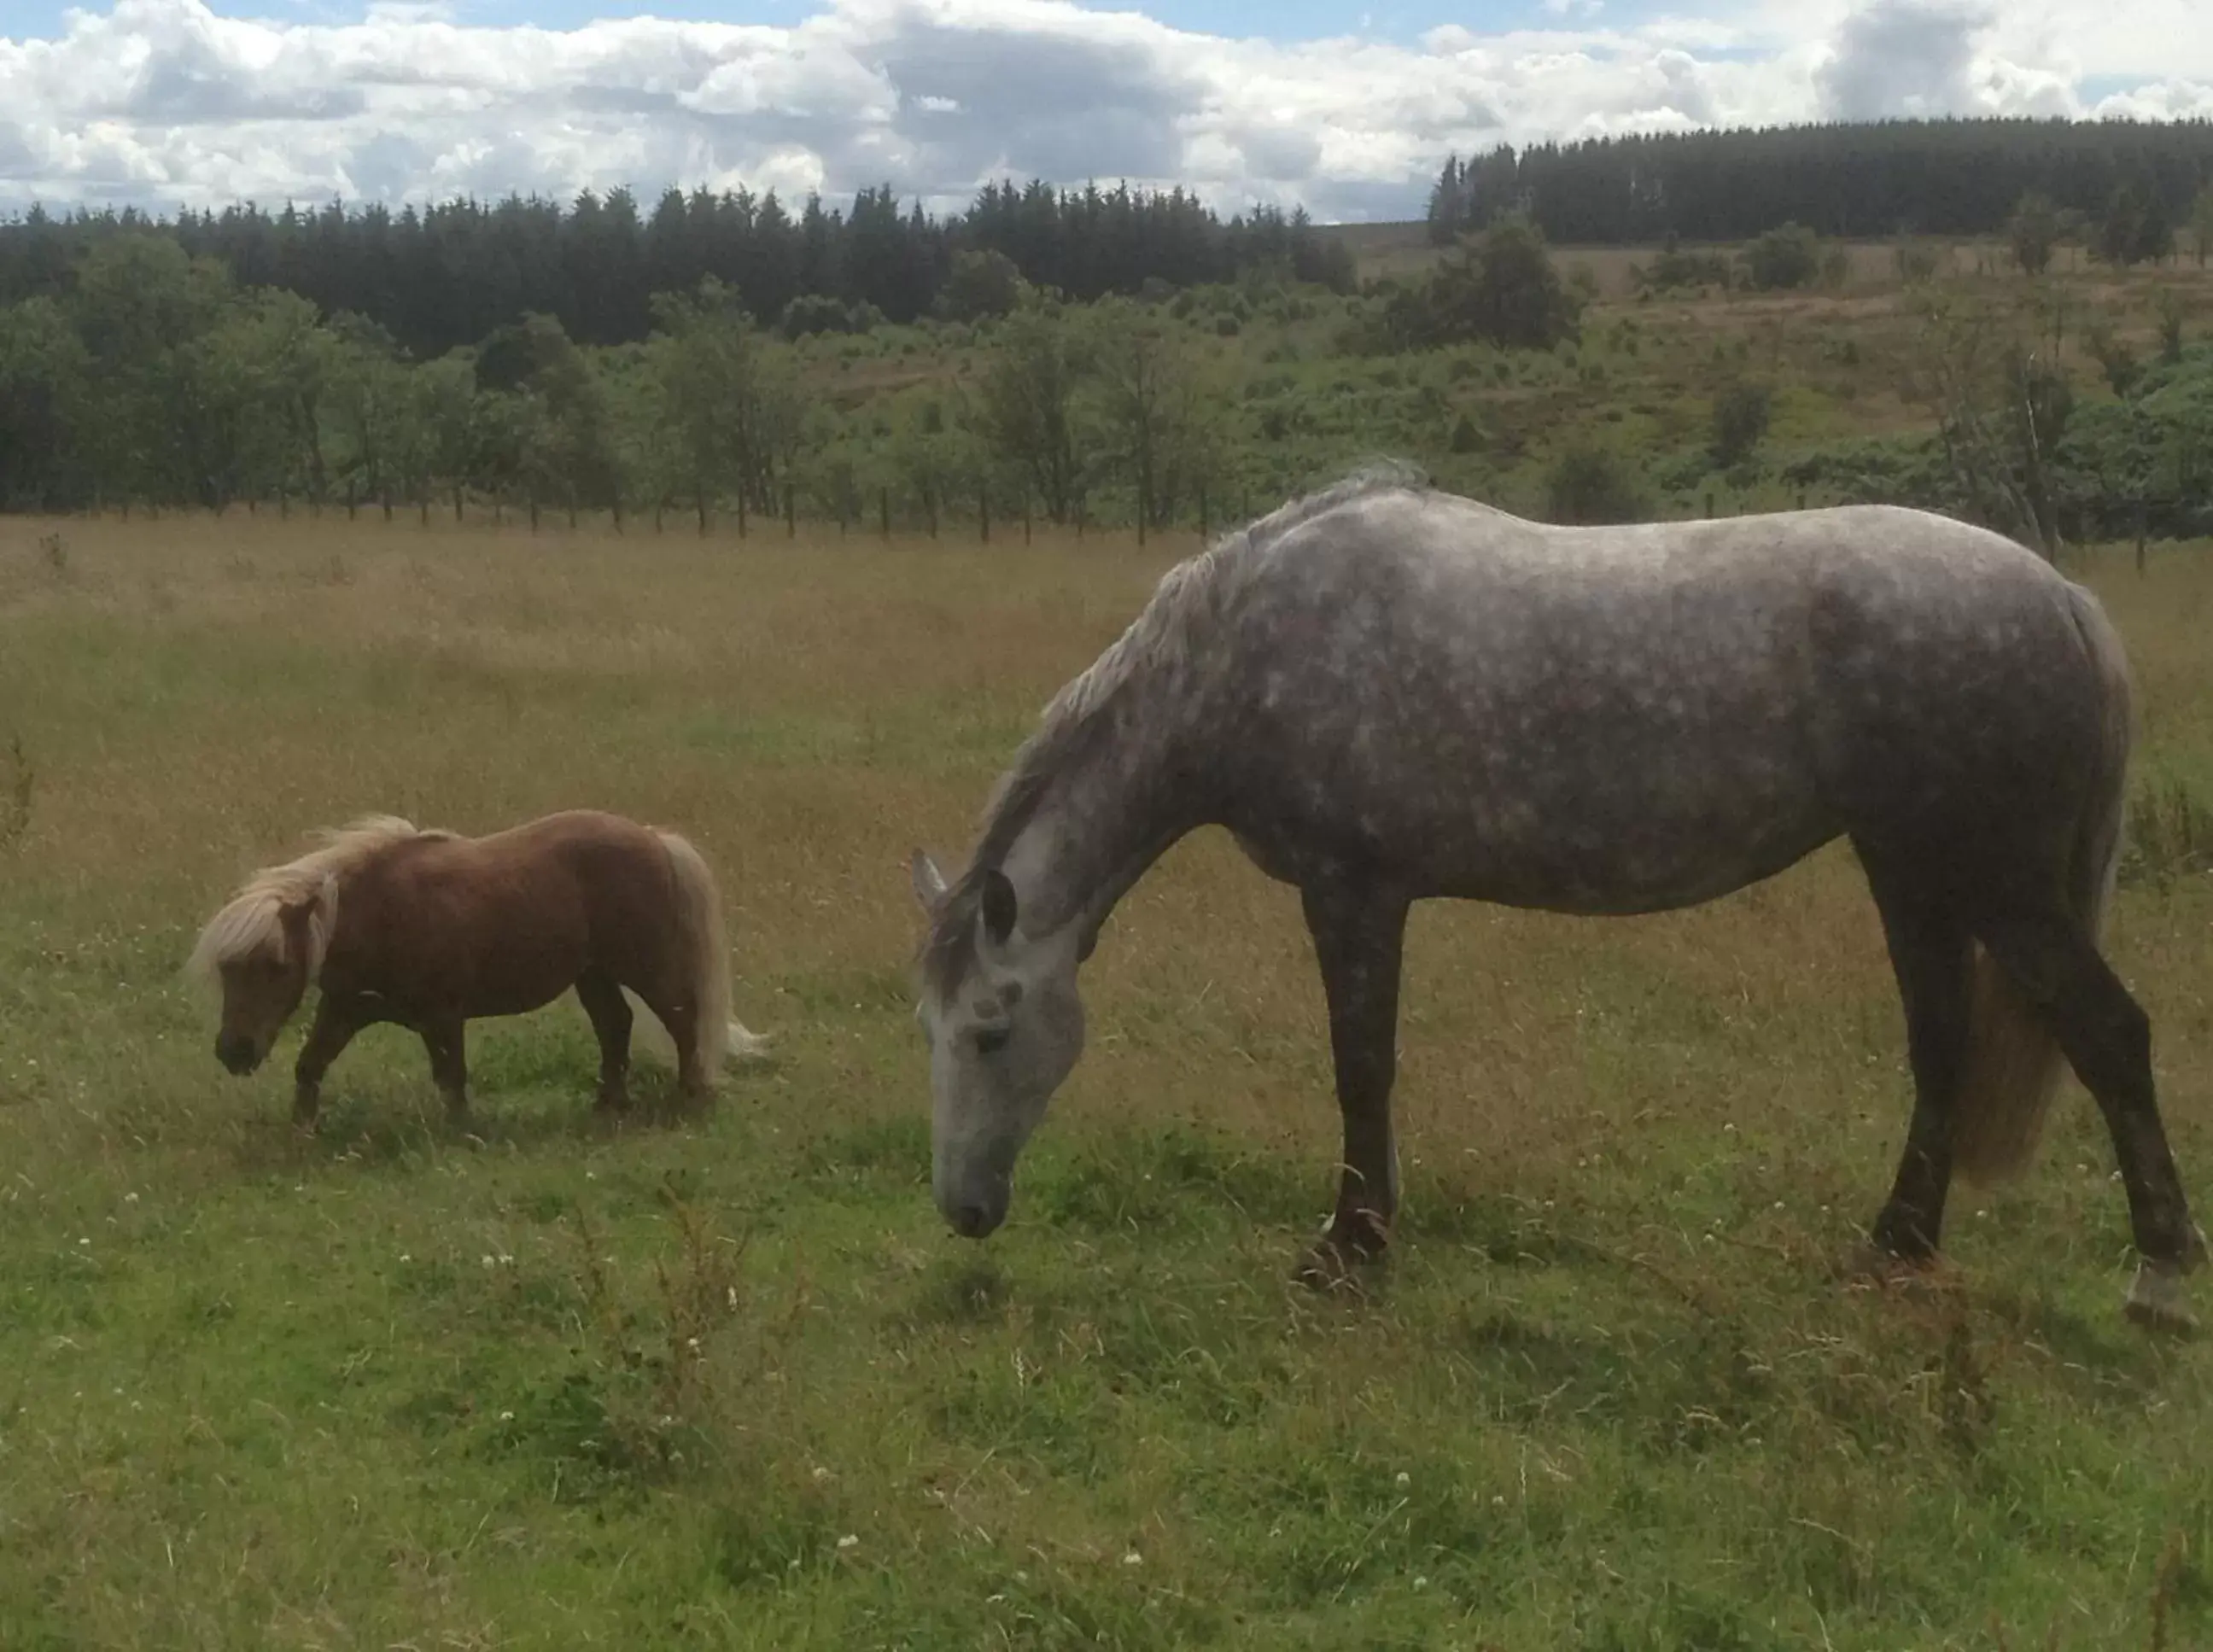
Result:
[
  {"x": 1004, "y": 1025},
  {"x": 264, "y": 948}
]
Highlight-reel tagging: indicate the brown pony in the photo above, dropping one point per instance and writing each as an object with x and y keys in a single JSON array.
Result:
[{"x": 429, "y": 929}]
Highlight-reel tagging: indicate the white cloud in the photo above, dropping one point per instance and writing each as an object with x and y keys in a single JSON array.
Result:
[{"x": 161, "y": 101}]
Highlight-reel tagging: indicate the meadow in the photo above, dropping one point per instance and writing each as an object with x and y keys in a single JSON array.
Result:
[{"x": 725, "y": 1380}]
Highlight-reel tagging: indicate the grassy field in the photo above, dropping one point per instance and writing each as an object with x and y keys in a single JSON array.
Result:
[{"x": 729, "y": 1382}]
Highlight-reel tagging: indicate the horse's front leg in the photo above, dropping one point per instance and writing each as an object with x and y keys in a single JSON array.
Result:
[
  {"x": 337, "y": 1019},
  {"x": 1359, "y": 935},
  {"x": 449, "y": 1065}
]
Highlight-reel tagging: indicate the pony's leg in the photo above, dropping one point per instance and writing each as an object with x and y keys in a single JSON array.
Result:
[
  {"x": 680, "y": 1017},
  {"x": 1930, "y": 955},
  {"x": 337, "y": 1021},
  {"x": 611, "y": 1016},
  {"x": 2106, "y": 1038},
  {"x": 450, "y": 1064},
  {"x": 1359, "y": 936}
]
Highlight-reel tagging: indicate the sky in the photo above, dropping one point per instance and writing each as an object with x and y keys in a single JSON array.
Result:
[{"x": 1347, "y": 107}]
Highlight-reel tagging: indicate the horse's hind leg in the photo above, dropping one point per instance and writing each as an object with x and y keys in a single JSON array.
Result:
[
  {"x": 2106, "y": 1038},
  {"x": 610, "y": 1012},
  {"x": 1359, "y": 936},
  {"x": 1929, "y": 952}
]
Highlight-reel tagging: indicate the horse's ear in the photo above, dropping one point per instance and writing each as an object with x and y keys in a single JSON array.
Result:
[
  {"x": 928, "y": 881},
  {"x": 999, "y": 906}
]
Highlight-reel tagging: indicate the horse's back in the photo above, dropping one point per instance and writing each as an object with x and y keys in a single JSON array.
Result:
[{"x": 1620, "y": 718}]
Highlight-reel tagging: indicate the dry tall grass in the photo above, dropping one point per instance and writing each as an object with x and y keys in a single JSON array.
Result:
[{"x": 262, "y": 1391}]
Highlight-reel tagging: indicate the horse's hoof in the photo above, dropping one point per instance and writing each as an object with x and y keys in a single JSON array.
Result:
[{"x": 2156, "y": 1300}]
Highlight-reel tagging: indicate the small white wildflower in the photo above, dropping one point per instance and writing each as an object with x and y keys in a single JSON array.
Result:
[
  {"x": 1421, "y": 1582},
  {"x": 130, "y": 1199},
  {"x": 1404, "y": 1479},
  {"x": 849, "y": 1541},
  {"x": 1133, "y": 1558},
  {"x": 507, "y": 1417}
]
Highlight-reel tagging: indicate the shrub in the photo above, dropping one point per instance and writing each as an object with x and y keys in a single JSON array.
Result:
[
  {"x": 1590, "y": 484},
  {"x": 1789, "y": 256},
  {"x": 1739, "y": 422}
]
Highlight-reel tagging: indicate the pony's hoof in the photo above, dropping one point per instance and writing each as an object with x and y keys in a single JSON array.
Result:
[{"x": 2157, "y": 1300}]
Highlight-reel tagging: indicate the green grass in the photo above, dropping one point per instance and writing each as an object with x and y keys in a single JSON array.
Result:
[{"x": 728, "y": 1382}]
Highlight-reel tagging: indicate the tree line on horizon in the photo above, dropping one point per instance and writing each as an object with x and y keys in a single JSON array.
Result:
[
  {"x": 450, "y": 275},
  {"x": 1849, "y": 181}
]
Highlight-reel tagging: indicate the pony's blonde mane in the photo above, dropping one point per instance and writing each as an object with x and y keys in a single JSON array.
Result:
[{"x": 252, "y": 922}]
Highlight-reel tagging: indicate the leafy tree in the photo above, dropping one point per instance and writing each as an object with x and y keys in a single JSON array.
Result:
[
  {"x": 1027, "y": 409},
  {"x": 2032, "y": 232},
  {"x": 2136, "y": 228},
  {"x": 1152, "y": 410},
  {"x": 1504, "y": 289},
  {"x": 728, "y": 410},
  {"x": 43, "y": 407}
]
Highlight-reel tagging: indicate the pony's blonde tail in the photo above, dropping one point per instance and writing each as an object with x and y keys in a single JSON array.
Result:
[
  {"x": 717, "y": 1035},
  {"x": 2013, "y": 1060}
]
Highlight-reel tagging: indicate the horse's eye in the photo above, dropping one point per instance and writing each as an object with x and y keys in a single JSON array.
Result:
[{"x": 991, "y": 1040}]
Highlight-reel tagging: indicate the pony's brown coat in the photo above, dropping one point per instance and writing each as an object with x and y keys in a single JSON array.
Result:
[{"x": 429, "y": 929}]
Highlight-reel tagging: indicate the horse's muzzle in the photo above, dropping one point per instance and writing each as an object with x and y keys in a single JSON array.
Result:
[
  {"x": 237, "y": 1052},
  {"x": 976, "y": 1214}
]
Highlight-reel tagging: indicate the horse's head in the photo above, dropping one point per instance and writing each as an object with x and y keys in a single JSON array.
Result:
[
  {"x": 264, "y": 961},
  {"x": 1000, "y": 1013}
]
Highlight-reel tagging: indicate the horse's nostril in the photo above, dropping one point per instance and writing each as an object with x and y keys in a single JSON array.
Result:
[{"x": 971, "y": 1221}]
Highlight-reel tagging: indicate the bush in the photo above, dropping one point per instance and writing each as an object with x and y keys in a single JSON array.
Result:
[
  {"x": 1739, "y": 422},
  {"x": 980, "y": 285},
  {"x": 2033, "y": 232},
  {"x": 1591, "y": 485},
  {"x": 1782, "y": 258}
]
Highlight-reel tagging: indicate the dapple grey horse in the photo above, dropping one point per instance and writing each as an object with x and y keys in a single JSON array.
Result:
[{"x": 1388, "y": 693}]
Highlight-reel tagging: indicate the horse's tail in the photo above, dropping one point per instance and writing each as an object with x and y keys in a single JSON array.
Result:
[
  {"x": 2013, "y": 1060},
  {"x": 718, "y": 1034}
]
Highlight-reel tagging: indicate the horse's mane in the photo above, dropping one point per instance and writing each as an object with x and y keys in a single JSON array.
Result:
[
  {"x": 254, "y": 918},
  {"x": 1162, "y": 637}
]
